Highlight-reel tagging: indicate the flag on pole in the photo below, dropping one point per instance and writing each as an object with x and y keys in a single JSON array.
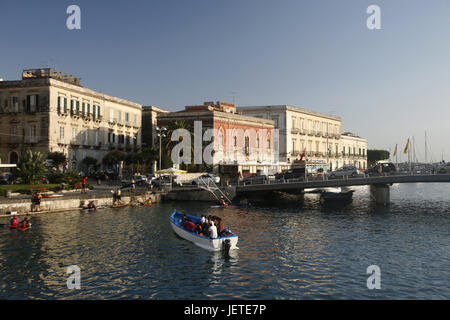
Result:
[
  {"x": 395, "y": 151},
  {"x": 303, "y": 154},
  {"x": 406, "y": 147}
]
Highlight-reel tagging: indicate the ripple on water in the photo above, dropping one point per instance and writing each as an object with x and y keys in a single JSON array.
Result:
[{"x": 300, "y": 251}]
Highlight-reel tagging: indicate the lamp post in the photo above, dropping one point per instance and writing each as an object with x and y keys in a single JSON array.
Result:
[{"x": 161, "y": 133}]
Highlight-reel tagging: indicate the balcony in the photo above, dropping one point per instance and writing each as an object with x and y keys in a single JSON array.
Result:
[
  {"x": 74, "y": 142},
  {"x": 98, "y": 145},
  {"x": 31, "y": 140},
  {"x": 87, "y": 116},
  {"x": 62, "y": 141},
  {"x": 63, "y": 113},
  {"x": 75, "y": 114}
]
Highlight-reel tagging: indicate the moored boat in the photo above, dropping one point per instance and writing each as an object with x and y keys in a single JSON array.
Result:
[
  {"x": 227, "y": 242},
  {"x": 337, "y": 196}
]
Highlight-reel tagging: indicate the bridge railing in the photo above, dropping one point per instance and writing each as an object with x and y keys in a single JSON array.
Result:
[{"x": 326, "y": 178}]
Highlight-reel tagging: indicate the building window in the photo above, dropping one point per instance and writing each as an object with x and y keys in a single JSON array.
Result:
[
  {"x": 111, "y": 115},
  {"x": 127, "y": 117},
  {"x": 33, "y": 130},
  {"x": 74, "y": 133},
  {"x": 65, "y": 105},
  {"x": 15, "y": 104},
  {"x": 135, "y": 119},
  {"x": 61, "y": 132},
  {"x": 13, "y": 130},
  {"x": 32, "y": 103}
]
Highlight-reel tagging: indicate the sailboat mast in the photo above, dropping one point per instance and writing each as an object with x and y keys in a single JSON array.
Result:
[{"x": 426, "y": 158}]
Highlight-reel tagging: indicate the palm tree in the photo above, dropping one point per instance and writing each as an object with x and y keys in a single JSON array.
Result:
[
  {"x": 169, "y": 144},
  {"x": 30, "y": 167}
]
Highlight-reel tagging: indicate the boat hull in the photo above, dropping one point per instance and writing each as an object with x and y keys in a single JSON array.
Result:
[{"x": 204, "y": 242}]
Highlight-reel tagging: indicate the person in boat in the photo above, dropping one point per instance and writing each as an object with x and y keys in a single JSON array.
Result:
[
  {"x": 14, "y": 221},
  {"x": 25, "y": 224},
  {"x": 189, "y": 225},
  {"x": 220, "y": 226},
  {"x": 133, "y": 186},
  {"x": 183, "y": 219},
  {"x": 91, "y": 205},
  {"x": 223, "y": 203},
  {"x": 212, "y": 231}
]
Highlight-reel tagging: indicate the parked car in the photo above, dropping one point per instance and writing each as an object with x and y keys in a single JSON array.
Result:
[
  {"x": 294, "y": 173},
  {"x": 255, "y": 179},
  {"x": 139, "y": 180},
  {"x": 160, "y": 181},
  {"x": 205, "y": 178},
  {"x": 386, "y": 167},
  {"x": 444, "y": 169},
  {"x": 347, "y": 170}
]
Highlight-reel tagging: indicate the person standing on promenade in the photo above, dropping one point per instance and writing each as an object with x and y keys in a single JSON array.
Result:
[
  {"x": 133, "y": 186},
  {"x": 36, "y": 201},
  {"x": 117, "y": 197},
  {"x": 83, "y": 185}
]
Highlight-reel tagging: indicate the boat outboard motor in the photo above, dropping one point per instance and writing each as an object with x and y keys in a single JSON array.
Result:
[{"x": 226, "y": 245}]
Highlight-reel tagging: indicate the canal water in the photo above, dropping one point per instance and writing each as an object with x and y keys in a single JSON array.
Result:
[{"x": 287, "y": 251}]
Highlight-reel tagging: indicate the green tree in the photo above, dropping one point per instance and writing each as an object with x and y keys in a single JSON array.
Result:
[
  {"x": 376, "y": 155},
  {"x": 168, "y": 144},
  {"x": 113, "y": 157},
  {"x": 90, "y": 162},
  {"x": 58, "y": 158},
  {"x": 30, "y": 167}
]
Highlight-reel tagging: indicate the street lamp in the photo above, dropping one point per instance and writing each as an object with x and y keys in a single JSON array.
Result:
[{"x": 161, "y": 133}]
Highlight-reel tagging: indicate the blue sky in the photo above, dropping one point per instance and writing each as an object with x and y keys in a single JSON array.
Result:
[{"x": 386, "y": 85}]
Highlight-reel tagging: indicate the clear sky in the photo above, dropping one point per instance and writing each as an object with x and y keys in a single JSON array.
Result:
[{"x": 386, "y": 85}]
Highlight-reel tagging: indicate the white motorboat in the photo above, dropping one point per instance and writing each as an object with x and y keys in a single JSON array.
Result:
[{"x": 225, "y": 242}]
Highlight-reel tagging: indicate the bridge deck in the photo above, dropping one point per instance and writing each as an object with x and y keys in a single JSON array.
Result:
[{"x": 344, "y": 182}]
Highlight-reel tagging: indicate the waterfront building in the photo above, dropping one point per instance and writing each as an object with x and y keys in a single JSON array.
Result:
[
  {"x": 50, "y": 111},
  {"x": 316, "y": 134},
  {"x": 354, "y": 150},
  {"x": 149, "y": 124},
  {"x": 242, "y": 143}
]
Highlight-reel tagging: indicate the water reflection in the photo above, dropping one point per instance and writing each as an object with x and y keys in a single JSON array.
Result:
[{"x": 301, "y": 251}]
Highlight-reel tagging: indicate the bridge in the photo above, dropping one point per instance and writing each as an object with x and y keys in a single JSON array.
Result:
[{"x": 379, "y": 185}]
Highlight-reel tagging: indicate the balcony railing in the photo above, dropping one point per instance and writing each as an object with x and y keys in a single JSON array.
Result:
[{"x": 62, "y": 141}]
